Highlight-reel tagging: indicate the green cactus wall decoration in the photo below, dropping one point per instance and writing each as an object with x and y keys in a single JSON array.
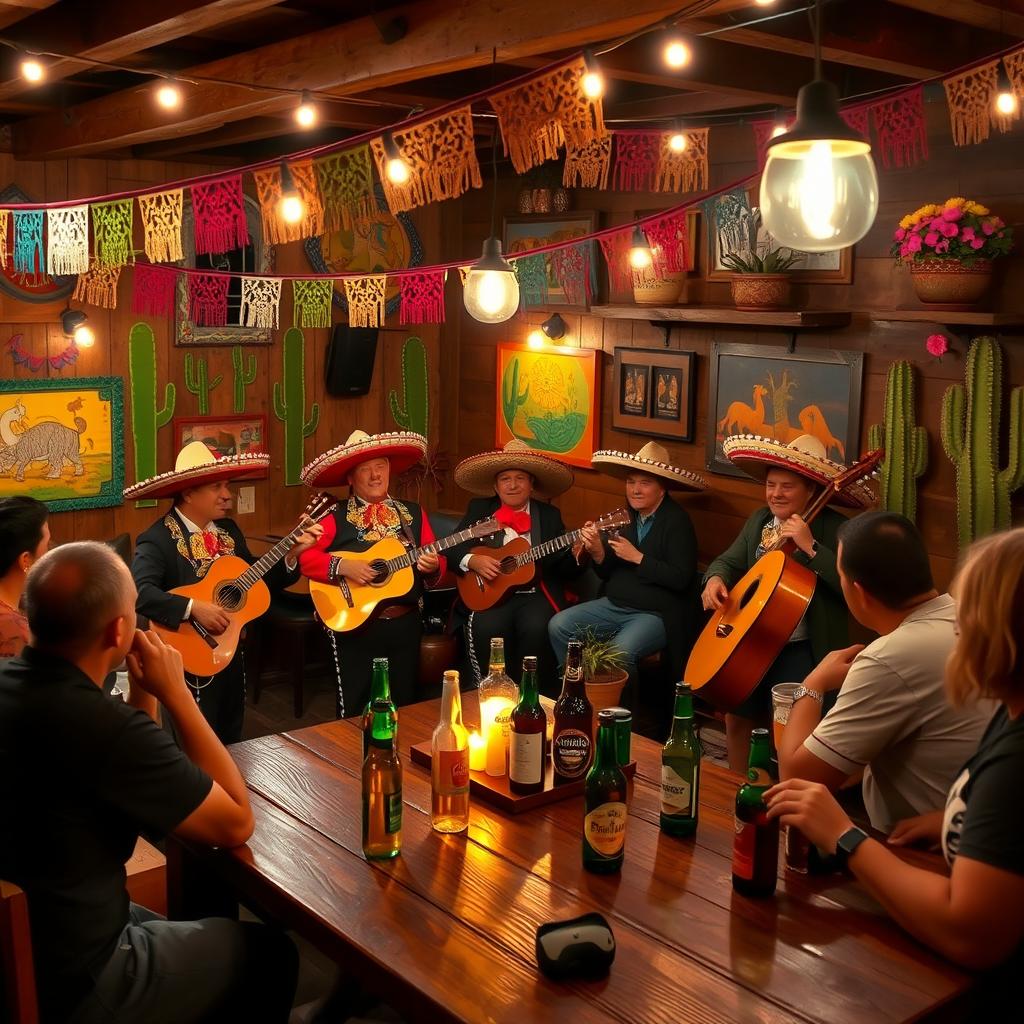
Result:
[
  {"x": 147, "y": 419},
  {"x": 242, "y": 377},
  {"x": 415, "y": 414},
  {"x": 197, "y": 380},
  {"x": 511, "y": 400},
  {"x": 905, "y": 444},
  {"x": 290, "y": 404},
  {"x": 971, "y": 437}
]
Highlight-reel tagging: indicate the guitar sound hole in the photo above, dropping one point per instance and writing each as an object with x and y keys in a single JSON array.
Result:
[
  {"x": 230, "y": 597},
  {"x": 508, "y": 566},
  {"x": 380, "y": 569},
  {"x": 749, "y": 593}
]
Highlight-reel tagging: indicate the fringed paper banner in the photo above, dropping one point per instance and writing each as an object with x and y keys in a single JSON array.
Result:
[
  {"x": 4, "y": 223},
  {"x": 67, "y": 240},
  {"x": 441, "y": 158},
  {"x": 153, "y": 290},
  {"x": 463, "y": 274},
  {"x": 858, "y": 117},
  {"x": 366, "y": 300},
  {"x": 28, "y": 242},
  {"x": 218, "y": 214},
  {"x": 616, "y": 254},
  {"x": 971, "y": 108},
  {"x": 161, "y": 224},
  {"x": 570, "y": 267},
  {"x": 422, "y": 298},
  {"x": 667, "y": 237},
  {"x": 589, "y": 165},
  {"x": 112, "y": 232},
  {"x": 261, "y": 298},
  {"x": 268, "y": 191},
  {"x": 311, "y": 303},
  {"x": 1014, "y": 64},
  {"x": 532, "y": 273},
  {"x": 763, "y": 131},
  {"x": 636, "y": 160},
  {"x": 346, "y": 187},
  {"x": 901, "y": 129},
  {"x": 98, "y": 286},
  {"x": 686, "y": 171},
  {"x": 208, "y": 300},
  {"x": 538, "y": 116}
]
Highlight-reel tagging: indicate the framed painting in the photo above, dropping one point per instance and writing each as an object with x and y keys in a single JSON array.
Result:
[
  {"x": 62, "y": 441},
  {"x": 693, "y": 219},
  {"x": 226, "y": 435},
  {"x": 770, "y": 391},
  {"x": 38, "y": 286},
  {"x": 522, "y": 233},
  {"x": 734, "y": 226},
  {"x": 550, "y": 399},
  {"x": 654, "y": 390}
]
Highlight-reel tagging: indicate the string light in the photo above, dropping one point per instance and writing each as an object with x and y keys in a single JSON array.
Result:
[
  {"x": 32, "y": 70},
  {"x": 491, "y": 294},
  {"x": 640, "y": 255},
  {"x": 306, "y": 113},
  {"x": 168, "y": 95},
  {"x": 677, "y": 53},
  {"x": 764, "y": 3},
  {"x": 73, "y": 324},
  {"x": 592, "y": 81},
  {"x": 677, "y": 141},
  {"x": 291, "y": 207},
  {"x": 1006, "y": 100},
  {"x": 396, "y": 168}
]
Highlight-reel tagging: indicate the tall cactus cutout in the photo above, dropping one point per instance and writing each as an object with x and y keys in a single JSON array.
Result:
[
  {"x": 511, "y": 400},
  {"x": 197, "y": 380},
  {"x": 290, "y": 405},
  {"x": 242, "y": 377},
  {"x": 147, "y": 419},
  {"x": 415, "y": 389},
  {"x": 971, "y": 434},
  {"x": 905, "y": 444}
]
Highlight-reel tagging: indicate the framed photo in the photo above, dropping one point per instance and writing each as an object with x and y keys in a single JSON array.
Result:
[
  {"x": 654, "y": 390},
  {"x": 63, "y": 441},
  {"x": 550, "y": 399},
  {"x": 226, "y": 435},
  {"x": 735, "y": 226},
  {"x": 693, "y": 220},
  {"x": 520, "y": 234},
  {"x": 770, "y": 391}
]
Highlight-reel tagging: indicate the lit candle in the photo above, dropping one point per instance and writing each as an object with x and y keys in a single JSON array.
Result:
[
  {"x": 477, "y": 752},
  {"x": 495, "y": 750}
]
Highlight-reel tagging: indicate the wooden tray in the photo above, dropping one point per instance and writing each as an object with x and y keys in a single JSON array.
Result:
[{"x": 495, "y": 790}]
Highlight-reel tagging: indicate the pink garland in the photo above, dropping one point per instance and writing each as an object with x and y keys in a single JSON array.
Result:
[
  {"x": 219, "y": 215},
  {"x": 636, "y": 160},
  {"x": 902, "y": 131},
  {"x": 208, "y": 300},
  {"x": 36, "y": 363},
  {"x": 423, "y": 298},
  {"x": 616, "y": 254},
  {"x": 153, "y": 289},
  {"x": 572, "y": 271},
  {"x": 667, "y": 238}
]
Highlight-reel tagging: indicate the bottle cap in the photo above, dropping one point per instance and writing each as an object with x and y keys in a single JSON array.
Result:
[
  {"x": 619, "y": 714},
  {"x": 683, "y": 689},
  {"x": 379, "y": 662},
  {"x": 606, "y": 716},
  {"x": 530, "y": 663}
]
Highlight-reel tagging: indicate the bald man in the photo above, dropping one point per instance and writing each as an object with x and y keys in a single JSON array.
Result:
[{"x": 81, "y": 775}]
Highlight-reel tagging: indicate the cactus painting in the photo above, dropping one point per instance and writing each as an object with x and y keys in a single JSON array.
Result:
[
  {"x": 197, "y": 380},
  {"x": 905, "y": 443},
  {"x": 971, "y": 436},
  {"x": 242, "y": 377},
  {"x": 413, "y": 411},
  {"x": 147, "y": 416},
  {"x": 290, "y": 405},
  {"x": 511, "y": 397}
]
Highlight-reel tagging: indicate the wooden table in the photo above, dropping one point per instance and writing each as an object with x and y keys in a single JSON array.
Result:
[{"x": 446, "y": 930}]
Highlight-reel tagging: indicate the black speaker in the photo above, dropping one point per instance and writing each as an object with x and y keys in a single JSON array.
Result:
[{"x": 348, "y": 366}]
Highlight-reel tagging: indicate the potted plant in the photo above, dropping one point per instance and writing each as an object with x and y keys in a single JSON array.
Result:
[
  {"x": 949, "y": 248},
  {"x": 760, "y": 281},
  {"x": 603, "y": 671}
]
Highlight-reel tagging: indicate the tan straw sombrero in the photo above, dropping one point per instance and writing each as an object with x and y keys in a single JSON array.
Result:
[
  {"x": 804, "y": 455},
  {"x": 401, "y": 448},
  {"x": 476, "y": 474},
  {"x": 651, "y": 459},
  {"x": 197, "y": 464}
]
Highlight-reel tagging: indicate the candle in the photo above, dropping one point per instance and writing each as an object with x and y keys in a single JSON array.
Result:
[
  {"x": 495, "y": 750},
  {"x": 489, "y": 710},
  {"x": 477, "y": 752}
]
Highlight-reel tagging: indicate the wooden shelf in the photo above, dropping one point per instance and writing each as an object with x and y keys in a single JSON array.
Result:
[
  {"x": 951, "y": 317},
  {"x": 791, "y": 318}
]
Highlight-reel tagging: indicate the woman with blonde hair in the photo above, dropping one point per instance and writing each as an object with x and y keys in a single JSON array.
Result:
[{"x": 975, "y": 914}]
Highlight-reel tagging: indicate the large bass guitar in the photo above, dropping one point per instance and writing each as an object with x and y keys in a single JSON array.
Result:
[{"x": 747, "y": 634}]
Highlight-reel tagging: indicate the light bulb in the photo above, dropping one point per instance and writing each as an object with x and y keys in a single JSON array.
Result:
[
  {"x": 306, "y": 114},
  {"x": 1006, "y": 103},
  {"x": 32, "y": 70},
  {"x": 640, "y": 255},
  {"x": 397, "y": 171},
  {"x": 593, "y": 85},
  {"x": 677, "y": 54},
  {"x": 779, "y": 129},
  {"x": 677, "y": 142},
  {"x": 764, "y": 3},
  {"x": 491, "y": 292},
  {"x": 292, "y": 208},
  {"x": 536, "y": 338},
  {"x": 84, "y": 336},
  {"x": 168, "y": 96}
]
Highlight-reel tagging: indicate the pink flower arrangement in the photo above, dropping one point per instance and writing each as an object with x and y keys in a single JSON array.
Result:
[
  {"x": 937, "y": 345},
  {"x": 958, "y": 229}
]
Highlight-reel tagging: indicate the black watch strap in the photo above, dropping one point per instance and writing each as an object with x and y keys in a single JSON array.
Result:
[{"x": 848, "y": 842}]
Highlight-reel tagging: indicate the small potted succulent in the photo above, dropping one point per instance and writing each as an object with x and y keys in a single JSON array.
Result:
[
  {"x": 761, "y": 280},
  {"x": 603, "y": 669}
]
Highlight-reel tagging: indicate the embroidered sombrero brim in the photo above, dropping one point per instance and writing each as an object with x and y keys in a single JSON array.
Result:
[
  {"x": 756, "y": 455},
  {"x": 476, "y": 474},
  {"x": 229, "y": 467},
  {"x": 401, "y": 448},
  {"x": 621, "y": 464}
]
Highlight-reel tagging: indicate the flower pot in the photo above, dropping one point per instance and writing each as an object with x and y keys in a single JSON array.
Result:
[
  {"x": 949, "y": 283},
  {"x": 760, "y": 291},
  {"x": 541, "y": 200},
  {"x": 650, "y": 290},
  {"x": 525, "y": 202},
  {"x": 560, "y": 200},
  {"x": 605, "y": 691}
]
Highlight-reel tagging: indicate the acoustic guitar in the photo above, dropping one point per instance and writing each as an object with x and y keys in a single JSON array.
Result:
[
  {"x": 345, "y": 605},
  {"x": 749, "y": 631},
  {"x": 237, "y": 588},
  {"x": 518, "y": 563}
]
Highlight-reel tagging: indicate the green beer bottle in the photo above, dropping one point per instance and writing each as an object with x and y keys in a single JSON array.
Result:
[
  {"x": 382, "y": 787},
  {"x": 604, "y": 823},
  {"x": 755, "y": 849},
  {"x": 380, "y": 689},
  {"x": 680, "y": 770}
]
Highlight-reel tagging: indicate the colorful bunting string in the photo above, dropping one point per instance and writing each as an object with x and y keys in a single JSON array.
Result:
[
  {"x": 570, "y": 267},
  {"x": 261, "y": 299},
  {"x": 153, "y": 290},
  {"x": 532, "y": 272},
  {"x": 276, "y": 231},
  {"x": 365, "y": 297},
  {"x": 901, "y": 129},
  {"x": 4, "y": 222},
  {"x": 36, "y": 363},
  {"x": 28, "y": 242},
  {"x": 112, "y": 232},
  {"x": 970, "y": 96},
  {"x": 98, "y": 286},
  {"x": 161, "y": 223},
  {"x": 616, "y": 248},
  {"x": 311, "y": 302},
  {"x": 685, "y": 171},
  {"x": 667, "y": 237},
  {"x": 67, "y": 240},
  {"x": 636, "y": 160},
  {"x": 422, "y": 298},
  {"x": 589, "y": 165},
  {"x": 346, "y": 187},
  {"x": 218, "y": 215},
  {"x": 208, "y": 300}
]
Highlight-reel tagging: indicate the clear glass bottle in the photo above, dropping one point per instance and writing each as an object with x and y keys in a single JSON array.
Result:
[
  {"x": 449, "y": 760},
  {"x": 497, "y": 691},
  {"x": 382, "y": 787}
]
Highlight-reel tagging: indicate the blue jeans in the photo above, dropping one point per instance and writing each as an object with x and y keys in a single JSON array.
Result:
[{"x": 636, "y": 633}]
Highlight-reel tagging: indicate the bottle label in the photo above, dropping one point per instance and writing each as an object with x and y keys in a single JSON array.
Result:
[
  {"x": 526, "y": 757},
  {"x": 743, "y": 849},
  {"x": 393, "y": 813},
  {"x": 676, "y": 793},
  {"x": 605, "y": 829},
  {"x": 571, "y": 751},
  {"x": 453, "y": 771},
  {"x": 759, "y": 777}
]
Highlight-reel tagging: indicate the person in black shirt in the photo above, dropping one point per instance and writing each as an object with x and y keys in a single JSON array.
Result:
[{"x": 81, "y": 776}]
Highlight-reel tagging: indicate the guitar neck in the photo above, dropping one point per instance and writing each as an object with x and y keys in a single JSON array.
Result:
[
  {"x": 433, "y": 548},
  {"x": 548, "y": 547},
  {"x": 266, "y": 562}
]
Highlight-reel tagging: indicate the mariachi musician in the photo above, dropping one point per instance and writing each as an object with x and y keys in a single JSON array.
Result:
[
  {"x": 513, "y": 484},
  {"x": 178, "y": 550},
  {"x": 793, "y": 474}
]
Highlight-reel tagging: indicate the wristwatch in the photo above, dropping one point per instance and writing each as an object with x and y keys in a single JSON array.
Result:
[
  {"x": 803, "y": 691},
  {"x": 847, "y": 843}
]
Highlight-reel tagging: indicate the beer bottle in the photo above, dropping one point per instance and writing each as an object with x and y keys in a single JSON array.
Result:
[
  {"x": 382, "y": 786},
  {"x": 449, "y": 760},
  {"x": 526, "y": 739},
  {"x": 572, "y": 741},
  {"x": 604, "y": 823},
  {"x": 380, "y": 689},
  {"x": 680, "y": 770},
  {"x": 755, "y": 850}
]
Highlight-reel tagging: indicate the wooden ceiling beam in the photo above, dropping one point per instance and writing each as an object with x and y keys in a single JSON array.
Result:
[
  {"x": 14, "y": 10},
  {"x": 969, "y": 12},
  {"x": 681, "y": 105}
]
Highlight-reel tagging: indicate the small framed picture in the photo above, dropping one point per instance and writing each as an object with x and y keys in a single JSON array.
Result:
[
  {"x": 654, "y": 389},
  {"x": 226, "y": 435},
  {"x": 668, "y": 383},
  {"x": 634, "y": 388}
]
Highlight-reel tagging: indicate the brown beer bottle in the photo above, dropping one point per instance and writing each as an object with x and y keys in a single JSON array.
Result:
[
  {"x": 572, "y": 741},
  {"x": 755, "y": 848}
]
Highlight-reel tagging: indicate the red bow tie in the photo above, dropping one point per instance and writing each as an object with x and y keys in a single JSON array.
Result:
[
  {"x": 212, "y": 542},
  {"x": 518, "y": 521}
]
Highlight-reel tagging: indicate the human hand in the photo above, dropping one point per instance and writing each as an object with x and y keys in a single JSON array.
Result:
[
  {"x": 357, "y": 571},
  {"x": 625, "y": 549},
  {"x": 307, "y": 539},
  {"x": 428, "y": 563},
  {"x": 485, "y": 565},
  {"x": 796, "y": 530},
  {"x": 810, "y": 807},
  {"x": 210, "y": 616},
  {"x": 154, "y": 667},
  {"x": 715, "y": 593},
  {"x": 832, "y": 670},
  {"x": 591, "y": 538},
  {"x": 925, "y": 828}
]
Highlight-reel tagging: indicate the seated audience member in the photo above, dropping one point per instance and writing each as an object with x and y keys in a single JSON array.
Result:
[
  {"x": 24, "y": 537},
  {"x": 891, "y": 718},
  {"x": 81, "y": 775},
  {"x": 975, "y": 914}
]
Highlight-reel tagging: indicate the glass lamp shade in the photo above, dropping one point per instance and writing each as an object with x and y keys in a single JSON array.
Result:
[{"x": 491, "y": 292}]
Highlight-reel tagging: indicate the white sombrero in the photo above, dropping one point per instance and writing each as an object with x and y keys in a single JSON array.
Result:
[
  {"x": 198, "y": 464},
  {"x": 476, "y": 474},
  {"x": 651, "y": 459},
  {"x": 401, "y": 448},
  {"x": 804, "y": 455}
]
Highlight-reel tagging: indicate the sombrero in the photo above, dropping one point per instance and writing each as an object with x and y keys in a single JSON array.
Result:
[
  {"x": 804, "y": 455},
  {"x": 401, "y": 448},
  {"x": 476, "y": 474},
  {"x": 197, "y": 464},
  {"x": 651, "y": 459}
]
